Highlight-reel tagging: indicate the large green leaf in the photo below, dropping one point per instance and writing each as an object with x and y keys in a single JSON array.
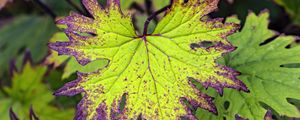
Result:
[
  {"x": 262, "y": 70},
  {"x": 151, "y": 72},
  {"x": 292, "y": 7},
  {"x": 28, "y": 90},
  {"x": 25, "y": 32},
  {"x": 71, "y": 65}
]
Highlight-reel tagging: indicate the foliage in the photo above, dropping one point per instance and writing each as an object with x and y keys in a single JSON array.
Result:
[
  {"x": 28, "y": 90},
  {"x": 261, "y": 63},
  {"x": 292, "y": 7},
  {"x": 165, "y": 69},
  {"x": 18, "y": 35},
  {"x": 152, "y": 71}
]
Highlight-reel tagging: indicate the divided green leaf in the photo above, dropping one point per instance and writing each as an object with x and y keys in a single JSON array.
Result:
[{"x": 262, "y": 62}]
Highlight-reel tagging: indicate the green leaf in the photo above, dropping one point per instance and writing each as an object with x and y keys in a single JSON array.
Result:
[
  {"x": 71, "y": 65},
  {"x": 270, "y": 83},
  {"x": 292, "y": 7},
  {"x": 159, "y": 4},
  {"x": 25, "y": 32},
  {"x": 27, "y": 89},
  {"x": 151, "y": 72}
]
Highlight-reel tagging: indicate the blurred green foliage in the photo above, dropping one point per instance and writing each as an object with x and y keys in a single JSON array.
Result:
[
  {"x": 293, "y": 9},
  {"x": 28, "y": 90},
  {"x": 23, "y": 33}
]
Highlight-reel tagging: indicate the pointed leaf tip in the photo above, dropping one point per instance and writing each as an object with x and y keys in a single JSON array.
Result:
[
  {"x": 12, "y": 115},
  {"x": 32, "y": 115},
  {"x": 238, "y": 117},
  {"x": 268, "y": 115}
]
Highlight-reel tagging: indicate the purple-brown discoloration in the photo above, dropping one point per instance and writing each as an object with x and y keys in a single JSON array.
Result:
[
  {"x": 209, "y": 105},
  {"x": 101, "y": 112},
  {"x": 81, "y": 112},
  {"x": 72, "y": 88},
  {"x": 268, "y": 115},
  {"x": 238, "y": 117},
  {"x": 85, "y": 26},
  {"x": 113, "y": 2},
  {"x": 32, "y": 115},
  {"x": 12, "y": 115},
  {"x": 92, "y": 6},
  {"x": 226, "y": 73},
  {"x": 61, "y": 48}
]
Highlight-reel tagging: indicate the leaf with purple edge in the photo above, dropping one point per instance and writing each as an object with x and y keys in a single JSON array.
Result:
[
  {"x": 152, "y": 71},
  {"x": 70, "y": 64},
  {"x": 262, "y": 58}
]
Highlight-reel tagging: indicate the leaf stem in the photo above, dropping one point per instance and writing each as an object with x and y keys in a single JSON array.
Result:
[
  {"x": 46, "y": 8},
  {"x": 149, "y": 8},
  {"x": 147, "y": 22}
]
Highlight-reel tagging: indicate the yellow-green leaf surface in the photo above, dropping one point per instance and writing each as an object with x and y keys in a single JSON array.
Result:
[
  {"x": 153, "y": 72},
  {"x": 70, "y": 64},
  {"x": 263, "y": 69},
  {"x": 28, "y": 90}
]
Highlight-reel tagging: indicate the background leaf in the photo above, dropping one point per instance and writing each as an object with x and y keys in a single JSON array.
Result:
[
  {"x": 260, "y": 58},
  {"x": 28, "y": 90},
  {"x": 25, "y": 32},
  {"x": 292, "y": 7}
]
